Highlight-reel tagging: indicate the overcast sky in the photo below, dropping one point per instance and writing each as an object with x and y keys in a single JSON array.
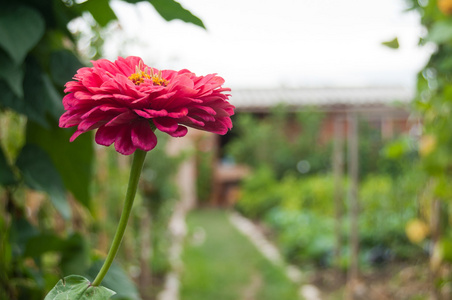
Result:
[{"x": 261, "y": 43}]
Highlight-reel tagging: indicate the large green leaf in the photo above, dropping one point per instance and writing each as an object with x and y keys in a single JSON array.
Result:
[
  {"x": 73, "y": 161},
  {"x": 21, "y": 27},
  {"x": 116, "y": 279},
  {"x": 12, "y": 73},
  {"x": 100, "y": 10},
  {"x": 76, "y": 287},
  {"x": 6, "y": 174},
  {"x": 75, "y": 255},
  {"x": 172, "y": 10},
  {"x": 39, "y": 173},
  {"x": 41, "y": 96},
  {"x": 21, "y": 232},
  {"x": 63, "y": 66},
  {"x": 40, "y": 244},
  {"x": 9, "y": 99},
  {"x": 59, "y": 15},
  {"x": 75, "y": 258}
]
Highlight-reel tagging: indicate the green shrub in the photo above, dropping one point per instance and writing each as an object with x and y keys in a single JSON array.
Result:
[
  {"x": 303, "y": 236},
  {"x": 259, "y": 194},
  {"x": 318, "y": 193},
  {"x": 262, "y": 191},
  {"x": 301, "y": 211},
  {"x": 386, "y": 206}
]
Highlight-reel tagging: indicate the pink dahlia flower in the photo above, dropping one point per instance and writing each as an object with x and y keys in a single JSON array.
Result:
[{"x": 126, "y": 101}]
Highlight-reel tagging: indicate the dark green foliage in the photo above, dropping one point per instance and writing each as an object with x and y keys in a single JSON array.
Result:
[
  {"x": 72, "y": 160},
  {"x": 6, "y": 174},
  {"x": 12, "y": 74},
  {"x": 40, "y": 174},
  {"x": 63, "y": 66},
  {"x": 21, "y": 28}
]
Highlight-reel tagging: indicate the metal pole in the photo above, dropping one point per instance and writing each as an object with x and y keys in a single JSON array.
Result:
[
  {"x": 338, "y": 175},
  {"x": 354, "y": 203}
]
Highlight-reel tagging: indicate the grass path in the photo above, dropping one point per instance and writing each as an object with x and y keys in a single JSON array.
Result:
[{"x": 221, "y": 264}]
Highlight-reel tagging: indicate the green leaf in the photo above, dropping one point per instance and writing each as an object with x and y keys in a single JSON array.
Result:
[
  {"x": 76, "y": 287},
  {"x": 75, "y": 258},
  {"x": 74, "y": 161},
  {"x": 12, "y": 73},
  {"x": 172, "y": 10},
  {"x": 59, "y": 14},
  {"x": 21, "y": 27},
  {"x": 393, "y": 44},
  {"x": 6, "y": 174},
  {"x": 40, "y": 174},
  {"x": 100, "y": 10},
  {"x": 40, "y": 244},
  {"x": 63, "y": 66},
  {"x": 440, "y": 32},
  {"x": 116, "y": 278},
  {"x": 21, "y": 232},
  {"x": 9, "y": 99},
  {"x": 41, "y": 96},
  {"x": 75, "y": 255}
]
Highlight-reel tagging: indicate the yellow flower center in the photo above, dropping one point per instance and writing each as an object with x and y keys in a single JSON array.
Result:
[{"x": 139, "y": 76}]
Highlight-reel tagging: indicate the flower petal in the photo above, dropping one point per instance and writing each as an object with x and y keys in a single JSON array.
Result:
[
  {"x": 106, "y": 135},
  {"x": 123, "y": 142},
  {"x": 166, "y": 124},
  {"x": 179, "y": 132},
  {"x": 75, "y": 135},
  {"x": 143, "y": 136},
  {"x": 122, "y": 119}
]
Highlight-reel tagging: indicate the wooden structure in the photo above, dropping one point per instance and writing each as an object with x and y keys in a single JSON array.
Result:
[{"x": 383, "y": 106}]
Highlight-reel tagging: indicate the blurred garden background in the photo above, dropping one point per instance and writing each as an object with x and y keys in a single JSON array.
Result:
[{"x": 334, "y": 183}]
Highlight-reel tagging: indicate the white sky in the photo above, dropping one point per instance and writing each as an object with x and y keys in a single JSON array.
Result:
[{"x": 262, "y": 43}]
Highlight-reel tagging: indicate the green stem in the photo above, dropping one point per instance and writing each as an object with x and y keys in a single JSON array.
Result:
[{"x": 137, "y": 165}]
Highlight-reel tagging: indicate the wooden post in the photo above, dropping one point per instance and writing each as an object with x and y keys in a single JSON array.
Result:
[
  {"x": 354, "y": 205},
  {"x": 338, "y": 177}
]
